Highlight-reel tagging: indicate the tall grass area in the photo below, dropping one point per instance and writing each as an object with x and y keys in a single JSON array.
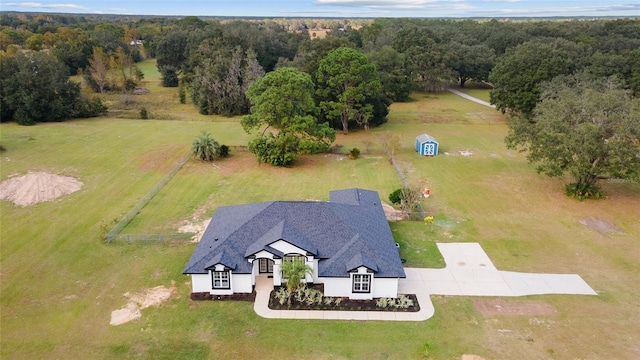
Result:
[{"x": 60, "y": 282}]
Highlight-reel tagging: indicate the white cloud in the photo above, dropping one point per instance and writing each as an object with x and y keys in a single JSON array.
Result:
[
  {"x": 619, "y": 7},
  {"x": 398, "y": 4},
  {"x": 47, "y": 6}
]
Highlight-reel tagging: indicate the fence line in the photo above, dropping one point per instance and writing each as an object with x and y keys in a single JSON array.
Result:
[
  {"x": 405, "y": 182},
  {"x": 145, "y": 199}
]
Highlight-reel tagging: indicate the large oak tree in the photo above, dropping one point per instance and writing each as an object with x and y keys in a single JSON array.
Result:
[
  {"x": 587, "y": 128},
  {"x": 347, "y": 82},
  {"x": 282, "y": 105}
]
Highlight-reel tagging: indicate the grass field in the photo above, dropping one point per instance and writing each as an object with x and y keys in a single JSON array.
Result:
[{"x": 60, "y": 282}]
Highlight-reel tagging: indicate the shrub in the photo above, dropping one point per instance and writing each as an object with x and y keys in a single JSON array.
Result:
[
  {"x": 182, "y": 95},
  {"x": 396, "y": 196},
  {"x": 338, "y": 301},
  {"x": 282, "y": 295},
  {"x": 144, "y": 114},
  {"x": 328, "y": 301},
  {"x": 382, "y": 302},
  {"x": 224, "y": 151},
  {"x": 354, "y": 153},
  {"x": 582, "y": 191}
]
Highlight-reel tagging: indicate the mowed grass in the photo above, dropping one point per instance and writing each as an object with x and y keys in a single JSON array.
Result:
[{"x": 60, "y": 282}]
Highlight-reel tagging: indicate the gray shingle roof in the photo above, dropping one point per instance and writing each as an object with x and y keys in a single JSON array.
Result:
[
  {"x": 426, "y": 138},
  {"x": 349, "y": 231}
]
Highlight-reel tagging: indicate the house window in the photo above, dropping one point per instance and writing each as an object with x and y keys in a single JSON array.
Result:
[
  {"x": 296, "y": 258},
  {"x": 220, "y": 280},
  {"x": 265, "y": 266},
  {"x": 361, "y": 283}
]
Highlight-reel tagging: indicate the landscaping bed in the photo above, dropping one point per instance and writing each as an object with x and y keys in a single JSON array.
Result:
[
  {"x": 201, "y": 296},
  {"x": 339, "y": 303}
]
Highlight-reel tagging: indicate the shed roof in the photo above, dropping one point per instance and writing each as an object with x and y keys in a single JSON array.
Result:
[{"x": 423, "y": 138}]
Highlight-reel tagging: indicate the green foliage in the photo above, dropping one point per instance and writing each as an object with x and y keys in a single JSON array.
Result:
[
  {"x": 471, "y": 61},
  {"x": 294, "y": 272},
  {"x": 224, "y": 150},
  {"x": 396, "y": 196},
  {"x": 205, "y": 148},
  {"x": 587, "y": 128},
  {"x": 182, "y": 94},
  {"x": 283, "y": 99},
  {"x": 401, "y": 302},
  {"x": 394, "y": 76},
  {"x": 169, "y": 76},
  {"x": 220, "y": 82},
  {"x": 143, "y": 113},
  {"x": 348, "y": 85},
  {"x": 282, "y": 295},
  {"x": 583, "y": 191},
  {"x": 35, "y": 88},
  {"x": 354, "y": 153},
  {"x": 519, "y": 72}
]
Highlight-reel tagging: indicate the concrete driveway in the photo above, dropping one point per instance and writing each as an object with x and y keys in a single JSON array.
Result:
[{"x": 469, "y": 272}]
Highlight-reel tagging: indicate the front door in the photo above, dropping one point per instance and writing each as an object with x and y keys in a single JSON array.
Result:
[{"x": 265, "y": 266}]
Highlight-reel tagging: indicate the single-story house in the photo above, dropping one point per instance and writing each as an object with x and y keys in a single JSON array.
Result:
[
  {"x": 426, "y": 145},
  {"x": 346, "y": 241}
]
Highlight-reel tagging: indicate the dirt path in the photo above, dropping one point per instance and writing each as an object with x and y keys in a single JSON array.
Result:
[{"x": 469, "y": 97}]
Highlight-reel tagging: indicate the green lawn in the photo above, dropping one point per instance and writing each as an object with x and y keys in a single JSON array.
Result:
[{"x": 60, "y": 282}]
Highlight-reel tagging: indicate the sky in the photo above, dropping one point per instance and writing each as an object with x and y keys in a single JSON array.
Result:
[{"x": 338, "y": 8}]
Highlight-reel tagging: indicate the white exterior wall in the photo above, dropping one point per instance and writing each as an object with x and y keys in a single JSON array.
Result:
[
  {"x": 241, "y": 283},
  {"x": 336, "y": 286},
  {"x": 379, "y": 287},
  {"x": 384, "y": 287},
  {"x": 200, "y": 283},
  {"x": 277, "y": 274}
]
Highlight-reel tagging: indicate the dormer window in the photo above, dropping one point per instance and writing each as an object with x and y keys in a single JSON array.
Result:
[{"x": 294, "y": 258}]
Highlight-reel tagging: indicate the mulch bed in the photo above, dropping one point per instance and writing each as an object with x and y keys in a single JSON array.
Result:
[
  {"x": 201, "y": 296},
  {"x": 345, "y": 305}
]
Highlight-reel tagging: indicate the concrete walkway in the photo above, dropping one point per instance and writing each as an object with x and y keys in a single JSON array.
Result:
[
  {"x": 468, "y": 272},
  {"x": 469, "y": 97}
]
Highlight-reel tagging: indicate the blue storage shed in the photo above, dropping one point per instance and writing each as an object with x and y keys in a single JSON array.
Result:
[{"x": 426, "y": 145}]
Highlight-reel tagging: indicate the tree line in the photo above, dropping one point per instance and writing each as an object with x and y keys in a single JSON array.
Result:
[{"x": 534, "y": 68}]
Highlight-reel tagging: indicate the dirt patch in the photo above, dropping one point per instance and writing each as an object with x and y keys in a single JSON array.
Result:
[
  {"x": 471, "y": 357},
  {"x": 495, "y": 307},
  {"x": 138, "y": 301},
  {"x": 37, "y": 187},
  {"x": 195, "y": 225},
  {"x": 601, "y": 226},
  {"x": 392, "y": 213},
  {"x": 197, "y": 228}
]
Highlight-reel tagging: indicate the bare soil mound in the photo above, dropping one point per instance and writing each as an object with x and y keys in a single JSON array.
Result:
[
  {"x": 138, "y": 301},
  {"x": 36, "y": 187}
]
